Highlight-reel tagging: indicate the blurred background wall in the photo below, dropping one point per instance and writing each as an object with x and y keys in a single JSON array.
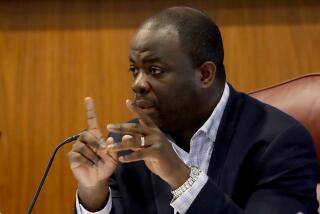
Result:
[{"x": 53, "y": 53}]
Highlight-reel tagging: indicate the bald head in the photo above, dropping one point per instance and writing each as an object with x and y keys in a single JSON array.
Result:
[{"x": 198, "y": 35}]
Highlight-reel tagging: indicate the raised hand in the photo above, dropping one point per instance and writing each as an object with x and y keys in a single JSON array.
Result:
[
  {"x": 157, "y": 151},
  {"x": 91, "y": 163}
]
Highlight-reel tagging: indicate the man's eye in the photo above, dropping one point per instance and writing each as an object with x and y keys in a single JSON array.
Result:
[
  {"x": 156, "y": 70},
  {"x": 133, "y": 69}
]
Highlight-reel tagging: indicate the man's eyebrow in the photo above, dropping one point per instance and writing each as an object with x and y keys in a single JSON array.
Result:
[
  {"x": 147, "y": 59},
  {"x": 151, "y": 59}
]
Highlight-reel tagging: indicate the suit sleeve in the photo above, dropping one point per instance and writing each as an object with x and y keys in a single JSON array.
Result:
[
  {"x": 286, "y": 180},
  {"x": 117, "y": 201}
]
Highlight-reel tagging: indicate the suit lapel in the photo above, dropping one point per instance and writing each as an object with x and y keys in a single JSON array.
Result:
[
  {"x": 162, "y": 195},
  {"x": 225, "y": 134}
]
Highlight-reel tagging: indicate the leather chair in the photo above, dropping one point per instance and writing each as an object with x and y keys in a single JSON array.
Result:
[{"x": 299, "y": 98}]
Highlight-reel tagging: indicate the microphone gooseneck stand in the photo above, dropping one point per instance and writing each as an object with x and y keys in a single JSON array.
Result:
[{"x": 34, "y": 199}]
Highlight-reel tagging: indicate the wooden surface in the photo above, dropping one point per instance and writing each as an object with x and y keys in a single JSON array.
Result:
[{"x": 54, "y": 53}]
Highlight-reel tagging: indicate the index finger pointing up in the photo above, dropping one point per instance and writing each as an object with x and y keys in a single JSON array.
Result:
[{"x": 93, "y": 125}]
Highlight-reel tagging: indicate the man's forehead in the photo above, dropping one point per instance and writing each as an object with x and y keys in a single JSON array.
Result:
[
  {"x": 149, "y": 35},
  {"x": 153, "y": 43},
  {"x": 157, "y": 27}
]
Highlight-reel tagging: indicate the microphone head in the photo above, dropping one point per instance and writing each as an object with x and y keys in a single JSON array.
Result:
[{"x": 72, "y": 138}]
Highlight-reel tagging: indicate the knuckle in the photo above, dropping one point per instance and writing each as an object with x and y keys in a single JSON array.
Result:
[
  {"x": 89, "y": 139},
  {"x": 157, "y": 146},
  {"x": 83, "y": 135},
  {"x": 130, "y": 142},
  {"x": 76, "y": 145},
  {"x": 123, "y": 144},
  {"x": 70, "y": 156},
  {"x": 157, "y": 131},
  {"x": 126, "y": 137},
  {"x": 73, "y": 156},
  {"x": 136, "y": 125},
  {"x": 91, "y": 136},
  {"x": 81, "y": 148},
  {"x": 137, "y": 154}
]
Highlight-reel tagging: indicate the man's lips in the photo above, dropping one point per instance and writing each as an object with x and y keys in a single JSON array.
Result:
[
  {"x": 146, "y": 106},
  {"x": 148, "y": 110}
]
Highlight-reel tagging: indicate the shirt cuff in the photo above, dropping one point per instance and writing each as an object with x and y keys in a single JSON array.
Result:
[
  {"x": 106, "y": 210},
  {"x": 184, "y": 201}
]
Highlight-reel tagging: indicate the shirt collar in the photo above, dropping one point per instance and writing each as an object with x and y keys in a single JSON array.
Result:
[{"x": 210, "y": 127}]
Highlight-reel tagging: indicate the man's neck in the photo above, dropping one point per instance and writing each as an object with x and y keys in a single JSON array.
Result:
[{"x": 182, "y": 137}]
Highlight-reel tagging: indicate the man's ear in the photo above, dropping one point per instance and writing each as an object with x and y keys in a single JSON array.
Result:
[{"x": 207, "y": 72}]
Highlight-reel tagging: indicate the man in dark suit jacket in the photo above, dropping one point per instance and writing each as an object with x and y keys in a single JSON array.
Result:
[{"x": 255, "y": 159}]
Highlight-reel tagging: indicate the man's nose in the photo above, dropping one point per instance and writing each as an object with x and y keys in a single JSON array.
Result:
[{"x": 140, "y": 84}]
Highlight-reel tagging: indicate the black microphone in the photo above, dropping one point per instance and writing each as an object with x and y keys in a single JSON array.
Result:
[{"x": 34, "y": 199}]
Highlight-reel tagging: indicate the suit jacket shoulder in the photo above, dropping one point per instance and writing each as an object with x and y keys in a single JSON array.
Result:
[{"x": 263, "y": 158}]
